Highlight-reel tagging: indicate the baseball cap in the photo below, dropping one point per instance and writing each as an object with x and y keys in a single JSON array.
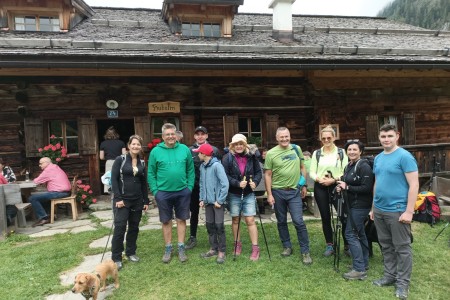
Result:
[
  {"x": 201, "y": 128},
  {"x": 205, "y": 149}
]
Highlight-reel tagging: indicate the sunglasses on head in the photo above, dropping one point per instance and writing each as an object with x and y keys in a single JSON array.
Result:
[{"x": 353, "y": 141}]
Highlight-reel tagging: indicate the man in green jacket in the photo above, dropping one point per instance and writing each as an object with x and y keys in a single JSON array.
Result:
[{"x": 171, "y": 179}]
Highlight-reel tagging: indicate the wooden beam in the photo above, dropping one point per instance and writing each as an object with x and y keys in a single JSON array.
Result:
[
  {"x": 380, "y": 73},
  {"x": 149, "y": 73}
]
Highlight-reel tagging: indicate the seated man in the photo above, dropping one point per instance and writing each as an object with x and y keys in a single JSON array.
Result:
[{"x": 58, "y": 186}]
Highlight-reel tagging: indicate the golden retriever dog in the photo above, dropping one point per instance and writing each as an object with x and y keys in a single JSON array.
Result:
[{"x": 88, "y": 284}]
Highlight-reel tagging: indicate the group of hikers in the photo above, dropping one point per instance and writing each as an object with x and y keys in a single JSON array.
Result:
[{"x": 184, "y": 179}]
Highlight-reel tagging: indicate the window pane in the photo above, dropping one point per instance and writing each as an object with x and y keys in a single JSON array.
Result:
[
  {"x": 55, "y": 128},
  {"x": 186, "y": 29},
  {"x": 30, "y": 27},
  {"x": 157, "y": 124},
  {"x": 211, "y": 30},
  {"x": 44, "y": 20},
  {"x": 195, "y": 29},
  {"x": 19, "y": 27},
  {"x": 30, "y": 20},
  {"x": 255, "y": 125},
  {"x": 72, "y": 128},
  {"x": 243, "y": 126},
  {"x": 20, "y": 20},
  {"x": 72, "y": 145}
]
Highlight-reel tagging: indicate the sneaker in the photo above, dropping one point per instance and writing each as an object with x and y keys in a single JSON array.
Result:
[
  {"x": 238, "y": 248},
  {"x": 191, "y": 243},
  {"x": 329, "y": 250},
  {"x": 133, "y": 258},
  {"x": 286, "y": 252},
  {"x": 384, "y": 281},
  {"x": 208, "y": 254},
  {"x": 167, "y": 254},
  {"x": 255, "y": 253},
  {"x": 119, "y": 265},
  {"x": 220, "y": 258},
  {"x": 307, "y": 260},
  {"x": 355, "y": 275},
  {"x": 182, "y": 253},
  {"x": 401, "y": 292}
]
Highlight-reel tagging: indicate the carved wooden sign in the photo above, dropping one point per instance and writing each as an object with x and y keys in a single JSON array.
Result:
[{"x": 164, "y": 107}]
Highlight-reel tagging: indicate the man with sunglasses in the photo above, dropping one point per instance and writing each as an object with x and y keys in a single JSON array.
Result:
[{"x": 395, "y": 193}]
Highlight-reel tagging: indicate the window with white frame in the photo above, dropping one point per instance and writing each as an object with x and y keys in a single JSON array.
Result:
[
  {"x": 36, "y": 23},
  {"x": 67, "y": 130},
  {"x": 251, "y": 127},
  {"x": 158, "y": 122}
]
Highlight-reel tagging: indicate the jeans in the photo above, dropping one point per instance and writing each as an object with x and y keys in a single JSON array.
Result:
[
  {"x": 356, "y": 238},
  {"x": 290, "y": 199},
  {"x": 122, "y": 216},
  {"x": 38, "y": 199},
  {"x": 395, "y": 241},
  {"x": 247, "y": 203}
]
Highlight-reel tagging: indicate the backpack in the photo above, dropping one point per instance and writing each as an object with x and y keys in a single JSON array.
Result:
[
  {"x": 370, "y": 160},
  {"x": 340, "y": 155},
  {"x": 427, "y": 208},
  {"x": 302, "y": 180}
]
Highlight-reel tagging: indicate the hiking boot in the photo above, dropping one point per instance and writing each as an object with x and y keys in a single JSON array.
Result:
[
  {"x": 220, "y": 258},
  {"x": 182, "y": 253},
  {"x": 238, "y": 248},
  {"x": 286, "y": 252},
  {"x": 384, "y": 281},
  {"x": 401, "y": 292},
  {"x": 355, "y": 275},
  {"x": 329, "y": 250},
  {"x": 208, "y": 254},
  {"x": 191, "y": 243},
  {"x": 167, "y": 254},
  {"x": 255, "y": 253},
  {"x": 306, "y": 258}
]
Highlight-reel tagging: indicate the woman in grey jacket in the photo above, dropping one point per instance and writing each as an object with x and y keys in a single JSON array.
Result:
[{"x": 213, "y": 192}]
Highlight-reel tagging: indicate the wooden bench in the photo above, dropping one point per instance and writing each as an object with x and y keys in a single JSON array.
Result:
[
  {"x": 445, "y": 199},
  {"x": 23, "y": 209}
]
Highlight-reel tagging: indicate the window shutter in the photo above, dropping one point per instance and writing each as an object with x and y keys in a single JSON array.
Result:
[
  {"x": 230, "y": 128},
  {"x": 87, "y": 136},
  {"x": 34, "y": 136},
  {"x": 143, "y": 129},
  {"x": 272, "y": 126},
  {"x": 187, "y": 127},
  {"x": 409, "y": 129},
  {"x": 372, "y": 130}
]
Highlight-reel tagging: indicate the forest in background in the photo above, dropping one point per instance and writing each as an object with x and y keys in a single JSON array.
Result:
[{"x": 431, "y": 14}]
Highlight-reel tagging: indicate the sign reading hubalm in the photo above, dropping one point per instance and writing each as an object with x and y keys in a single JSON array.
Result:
[{"x": 164, "y": 107}]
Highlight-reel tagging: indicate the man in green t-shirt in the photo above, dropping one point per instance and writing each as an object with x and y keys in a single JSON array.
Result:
[{"x": 282, "y": 175}]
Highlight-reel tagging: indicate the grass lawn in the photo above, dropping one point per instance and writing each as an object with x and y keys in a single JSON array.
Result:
[{"x": 30, "y": 269}]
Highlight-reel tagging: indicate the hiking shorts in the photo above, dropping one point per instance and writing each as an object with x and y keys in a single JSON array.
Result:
[
  {"x": 248, "y": 205},
  {"x": 169, "y": 201}
]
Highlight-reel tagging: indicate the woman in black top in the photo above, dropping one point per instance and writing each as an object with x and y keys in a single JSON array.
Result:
[
  {"x": 110, "y": 148},
  {"x": 129, "y": 185},
  {"x": 357, "y": 185}
]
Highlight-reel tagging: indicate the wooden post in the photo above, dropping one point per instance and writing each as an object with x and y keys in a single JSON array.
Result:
[{"x": 3, "y": 224}]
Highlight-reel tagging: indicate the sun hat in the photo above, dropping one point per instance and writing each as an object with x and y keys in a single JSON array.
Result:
[
  {"x": 205, "y": 149},
  {"x": 238, "y": 138}
]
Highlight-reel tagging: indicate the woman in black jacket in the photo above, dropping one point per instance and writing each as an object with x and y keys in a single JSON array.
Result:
[
  {"x": 357, "y": 185},
  {"x": 129, "y": 185},
  {"x": 244, "y": 174}
]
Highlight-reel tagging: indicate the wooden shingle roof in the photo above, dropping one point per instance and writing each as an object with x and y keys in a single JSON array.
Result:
[{"x": 142, "y": 35}]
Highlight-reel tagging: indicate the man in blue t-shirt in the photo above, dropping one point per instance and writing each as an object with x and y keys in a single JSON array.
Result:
[{"x": 395, "y": 193}]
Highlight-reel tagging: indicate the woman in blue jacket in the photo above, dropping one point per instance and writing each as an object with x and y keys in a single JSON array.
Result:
[
  {"x": 244, "y": 174},
  {"x": 129, "y": 185}
]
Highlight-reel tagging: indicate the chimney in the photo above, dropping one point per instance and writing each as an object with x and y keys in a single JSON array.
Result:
[{"x": 282, "y": 20}]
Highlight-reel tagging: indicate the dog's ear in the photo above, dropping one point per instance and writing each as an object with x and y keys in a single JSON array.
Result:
[{"x": 90, "y": 280}]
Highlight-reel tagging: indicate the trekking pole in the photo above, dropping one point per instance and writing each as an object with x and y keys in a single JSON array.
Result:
[
  {"x": 446, "y": 225},
  {"x": 110, "y": 231},
  {"x": 262, "y": 227},
  {"x": 337, "y": 234},
  {"x": 239, "y": 224}
]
